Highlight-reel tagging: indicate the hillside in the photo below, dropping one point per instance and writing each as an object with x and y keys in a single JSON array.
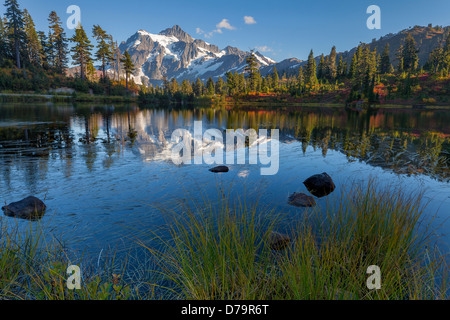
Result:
[{"x": 427, "y": 38}]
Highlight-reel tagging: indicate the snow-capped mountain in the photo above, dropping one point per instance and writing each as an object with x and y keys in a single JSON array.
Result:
[{"x": 175, "y": 54}]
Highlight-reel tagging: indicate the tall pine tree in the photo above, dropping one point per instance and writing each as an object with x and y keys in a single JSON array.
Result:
[
  {"x": 104, "y": 52},
  {"x": 385, "y": 63},
  {"x": 81, "y": 50},
  {"x": 252, "y": 70},
  {"x": 128, "y": 66},
  {"x": 58, "y": 48},
  {"x": 310, "y": 72},
  {"x": 410, "y": 57},
  {"x": 332, "y": 73},
  {"x": 4, "y": 52},
  {"x": 321, "y": 68},
  {"x": 15, "y": 24},
  {"x": 275, "y": 78},
  {"x": 33, "y": 45}
]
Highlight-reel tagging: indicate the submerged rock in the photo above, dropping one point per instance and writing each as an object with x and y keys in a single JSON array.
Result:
[
  {"x": 301, "y": 200},
  {"x": 320, "y": 185},
  {"x": 220, "y": 169},
  {"x": 278, "y": 241},
  {"x": 29, "y": 208}
]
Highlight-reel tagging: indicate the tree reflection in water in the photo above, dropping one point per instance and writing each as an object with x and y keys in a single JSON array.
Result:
[{"x": 405, "y": 141}]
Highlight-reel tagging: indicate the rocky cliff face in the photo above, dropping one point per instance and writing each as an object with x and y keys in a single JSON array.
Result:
[{"x": 175, "y": 54}]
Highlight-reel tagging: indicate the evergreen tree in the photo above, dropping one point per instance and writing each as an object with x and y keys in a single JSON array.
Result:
[
  {"x": 264, "y": 85},
  {"x": 186, "y": 87},
  {"x": 353, "y": 72},
  {"x": 81, "y": 50},
  {"x": 33, "y": 45},
  {"x": 435, "y": 60},
  {"x": 15, "y": 24},
  {"x": 300, "y": 77},
  {"x": 410, "y": 57},
  {"x": 231, "y": 83},
  {"x": 332, "y": 73},
  {"x": 115, "y": 57},
  {"x": 345, "y": 70},
  {"x": 219, "y": 86},
  {"x": 275, "y": 79},
  {"x": 166, "y": 85},
  {"x": 198, "y": 87},
  {"x": 310, "y": 72},
  {"x": 252, "y": 70},
  {"x": 4, "y": 52},
  {"x": 399, "y": 55},
  {"x": 363, "y": 66},
  {"x": 210, "y": 87},
  {"x": 58, "y": 47},
  {"x": 446, "y": 56},
  {"x": 104, "y": 52},
  {"x": 242, "y": 85},
  {"x": 385, "y": 63},
  {"x": 340, "y": 68},
  {"x": 321, "y": 68},
  {"x": 128, "y": 66},
  {"x": 43, "y": 58},
  {"x": 174, "y": 86},
  {"x": 90, "y": 70}
]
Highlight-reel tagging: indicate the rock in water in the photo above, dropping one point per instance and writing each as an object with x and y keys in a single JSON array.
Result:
[
  {"x": 219, "y": 169},
  {"x": 301, "y": 200},
  {"x": 278, "y": 241},
  {"x": 320, "y": 185},
  {"x": 29, "y": 208}
]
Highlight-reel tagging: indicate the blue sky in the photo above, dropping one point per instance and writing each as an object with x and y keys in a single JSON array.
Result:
[{"x": 280, "y": 29}]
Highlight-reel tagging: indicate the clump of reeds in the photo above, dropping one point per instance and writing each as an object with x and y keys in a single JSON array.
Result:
[
  {"x": 222, "y": 251},
  {"x": 34, "y": 266}
]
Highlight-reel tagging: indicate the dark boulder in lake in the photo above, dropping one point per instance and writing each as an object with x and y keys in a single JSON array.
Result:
[
  {"x": 30, "y": 208},
  {"x": 320, "y": 185},
  {"x": 278, "y": 241},
  {"x": 220, "y": 169},
  {"x": 301, "y": 200}
]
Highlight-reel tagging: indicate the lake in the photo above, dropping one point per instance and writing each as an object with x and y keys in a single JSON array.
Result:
[{"x": 105, "y": 171}]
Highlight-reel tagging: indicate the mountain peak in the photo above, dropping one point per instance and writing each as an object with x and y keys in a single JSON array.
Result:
[
  {"x": 173, "y": 53},
  {"x": 177, "y": 32}
]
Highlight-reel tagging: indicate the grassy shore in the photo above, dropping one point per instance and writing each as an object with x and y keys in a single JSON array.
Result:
[
  {"x": 28, "y": 97},
  {"x": 223, "y": 250},
  {"x": 239, "y": 102}
]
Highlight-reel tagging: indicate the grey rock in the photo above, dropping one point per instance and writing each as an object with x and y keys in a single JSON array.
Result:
[
  {"x": 320, "y": 185},
  {"x": 301, "y": 200},
  {"x": 30, "y": 208},
  {"x": 278, "y": 241}
]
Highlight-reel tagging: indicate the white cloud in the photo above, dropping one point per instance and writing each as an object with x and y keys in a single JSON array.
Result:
[
  {"x": 264, "y": 49},
  {"x": 224, "y": 24},
  {"x": 249, "y": 20}
]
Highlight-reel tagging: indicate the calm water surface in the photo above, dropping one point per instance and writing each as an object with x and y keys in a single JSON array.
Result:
[{"x": 104, "y": 170}]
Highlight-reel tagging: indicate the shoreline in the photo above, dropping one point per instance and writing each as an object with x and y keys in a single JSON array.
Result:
[
  {"x": 35, "y": 97},
  {"x": 235, "y": 103}
]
